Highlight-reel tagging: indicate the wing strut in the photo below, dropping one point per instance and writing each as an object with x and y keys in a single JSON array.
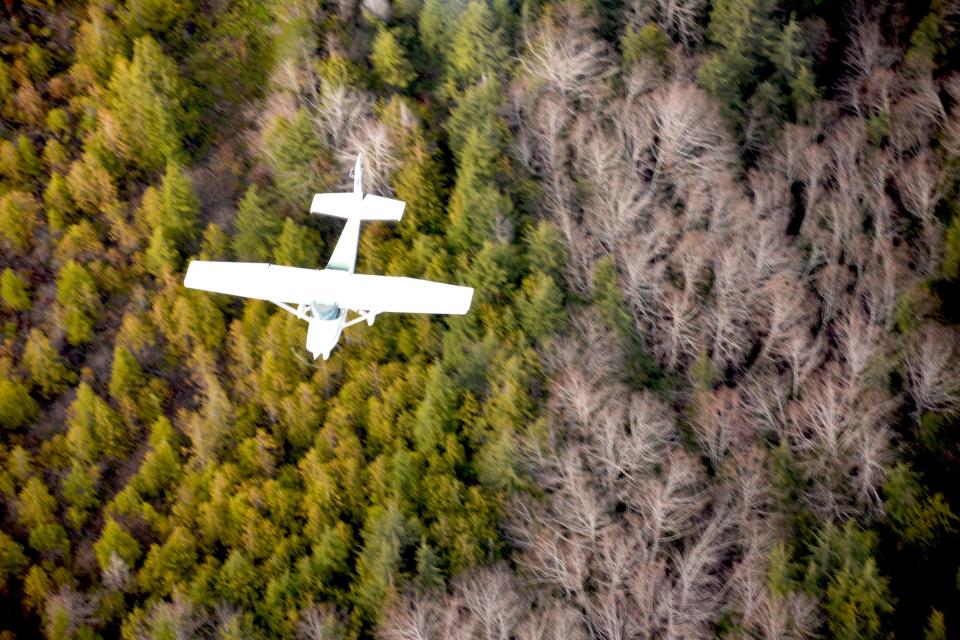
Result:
[{"x": 369, "y": 316}]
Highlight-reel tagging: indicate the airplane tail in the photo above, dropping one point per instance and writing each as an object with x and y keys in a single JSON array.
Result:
[
  {"x": 349, "y": 205},
  {"x": 357, "y": 205}
]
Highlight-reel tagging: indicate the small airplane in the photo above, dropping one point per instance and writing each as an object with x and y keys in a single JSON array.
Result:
[{"x": 323, "y": 296}]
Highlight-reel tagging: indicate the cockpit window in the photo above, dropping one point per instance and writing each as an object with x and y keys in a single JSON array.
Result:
[{"x": 325, "y": 311}]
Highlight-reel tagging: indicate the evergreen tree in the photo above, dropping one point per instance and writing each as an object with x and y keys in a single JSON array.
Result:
[
  {"x": 98, "y": 39},
  {"x": 169, "y": 564},
  {"x": 13, "y": 291},
  {"x": 149, "y": 103},
  {"x": 437, "y": 21},
  {"x": 6, "y": 86},
  {"x": 12, "y": 560},
  {"x": 741, "y": 29},
  {"x": 477, "y": 207},
  {"x": 16, "y": 406},
  {"x": 649, "y": 43},
  {"x": 540, "y": 305},
  {"x": 157, "y": 17},
  {"x": 127, "y": 382},
  {"x": 94, "y": 430},
  {"x": 58, "y": 203},
  {"x": 79, "y": 489},
  {"x": 28, "y": 161},
  {"x": 389, "y": 60},
  {"x": 795, "y": 71},
  {"x": 115, "y": 540},
  {"x": 44, "y": 366},
  {"x": 18, "y": 219},
  {"x": 256, "y": 228},
  {"x": 297, "y": 246},
  {"x": 477, "y": 46},
  {"x": 300, "y": 161},
  {"x": 171, "y": 213},
  {"x": 79, "y": 302},
  {"x": 842, "y": 566},
  {"x": 91, "y": 186},
  {"x": 914, "y": 515}
]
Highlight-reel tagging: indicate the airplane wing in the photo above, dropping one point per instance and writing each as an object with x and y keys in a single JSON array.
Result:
[
  {"x": 262, "y": 281},
  {"x": 403, "y": 295},
  {"x": 360, "y": 292}
]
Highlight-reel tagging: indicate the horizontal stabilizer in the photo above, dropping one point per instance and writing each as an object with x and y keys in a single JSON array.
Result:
[
  {"x": 359, "y": 292},
  {"x": 348, "y": 205},
  {"x": 378, "y": 208}
]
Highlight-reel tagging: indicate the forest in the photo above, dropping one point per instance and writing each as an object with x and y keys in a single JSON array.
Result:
[{"x": 709, "y": 386}]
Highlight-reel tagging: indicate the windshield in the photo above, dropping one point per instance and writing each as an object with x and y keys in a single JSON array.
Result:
[{"x": 325, "y": 311}]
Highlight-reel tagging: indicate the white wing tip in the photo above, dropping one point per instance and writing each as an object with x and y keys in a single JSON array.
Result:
[{"x": 467, "y": 300}]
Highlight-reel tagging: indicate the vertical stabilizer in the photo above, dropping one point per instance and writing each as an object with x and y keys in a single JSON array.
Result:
[{"x": 358, "y": 177}]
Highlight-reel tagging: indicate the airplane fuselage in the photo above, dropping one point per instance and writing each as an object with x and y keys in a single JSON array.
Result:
[{"x": 325, "y": 327}]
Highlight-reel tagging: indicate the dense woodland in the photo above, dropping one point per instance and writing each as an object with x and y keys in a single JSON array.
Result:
[{"x": 709, "y": 385}]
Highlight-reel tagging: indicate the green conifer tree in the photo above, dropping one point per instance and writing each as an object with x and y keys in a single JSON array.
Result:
[
  {"x": 58, "y": 203},
  {"x": 257, "y": 228},
  {"x": 18, "y": 219},
  {"x": 94, "y": 430},
  {"x": 13, "y": 291},
  {"x": 44, "y": 366},
  {"x": 149, "y": 103},
  {"x": 389, "y": 60},
  {"x": 16, "y": 406},
  {"x": 297, "y": 246},
  {"x": 79, "y": 302}
]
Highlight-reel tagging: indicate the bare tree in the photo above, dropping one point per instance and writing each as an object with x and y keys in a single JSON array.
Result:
[
  {"x": 320, "y": 622},
  {"x": 615, "y": 207},
  {"x": 555, "y": 621},
  {"x": 339, "y": 112},
  {"x": 116, "y": 575},
  {"x": 920, "y": 186},
  {"x": 691, "y": 136},
  {"x": 682, "y": 19},
  {"x": 721, "y": 423},
  {"x": 767, "y": 614},
  {"x": 668, "y": 505},
  {"x": 860, "y": 343},
  {"x": 679, "y": 328},
  {"x": 563, "y": 54},
  {"x": 787, "y": 313},
  {"x": 883, "y": 280},
  {"x": 493, "y": 601},
  {"x": 814, "y": 166},
  {"x": 843, "y": 443},
  {"x": 932, "y": 370},
  {"x": 865, "y": 54},
  {"x": 380, "y": 155},
  {"x": 411, "y": 617},
  {"x": 951, "y": 128},
  {"x": 547, "y": 129},
  {"x": 66, "y": 611},
  {"x": 788, "y": 155},
  {"x": 696, "y": 596},
  {"x": 176, "y": 618},
  {"x": 731, "y": 313},
  {"x": 916, "y": 116}
]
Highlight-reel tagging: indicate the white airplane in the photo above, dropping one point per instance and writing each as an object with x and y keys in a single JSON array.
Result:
[{"x": 323, "y": 296}]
